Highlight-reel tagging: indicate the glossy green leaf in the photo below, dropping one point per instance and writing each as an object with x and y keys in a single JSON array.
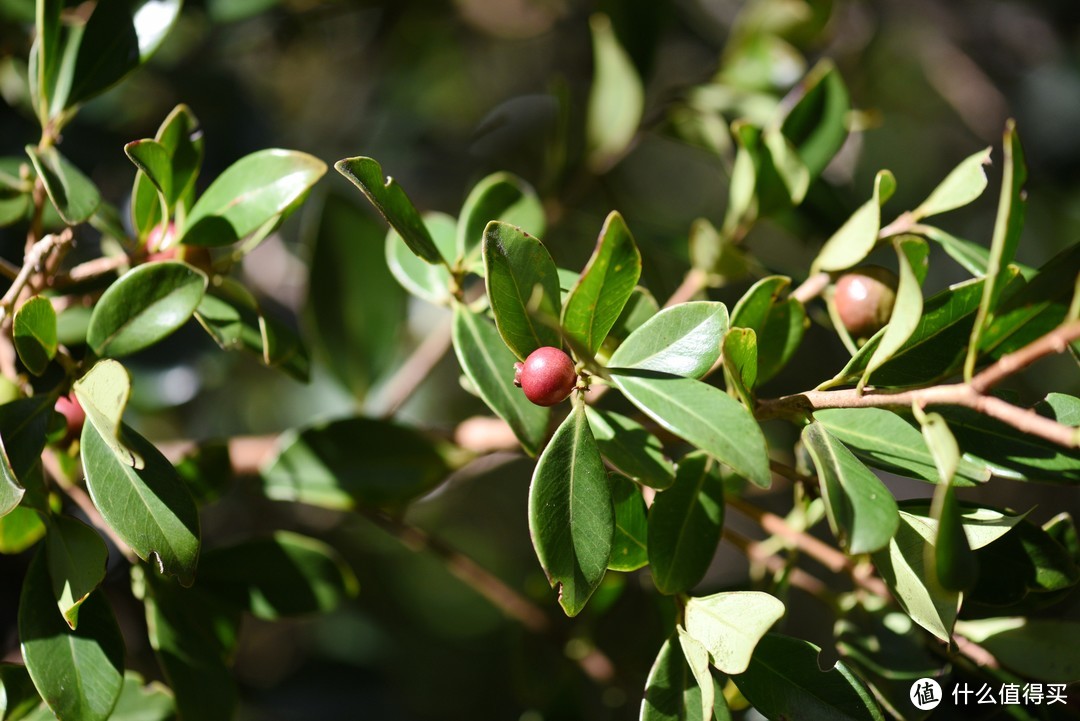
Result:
[
  {"x": 72, "y": 194},
  {"x": 20, "y": 529},
  {"x": 778, "y": 324},
  {"x": 34, "y": 332},
  {"x": 730, "y": 625},
  {"x": 146, "y": 305},
  {"x": 256, "y": 190},
  {"x": 1043, "y": 649},
  {"x": 964, "y": 184},
  {"x": 1024, "y": 566},
  {"x": 784, "y": 680},
  {"x": 284, "y": 575},
  {"x": 181, "y": 138},
  {"x": 148, "y": 507},
  {"x": 354, "y": 462},
  {"x": 683, "y": 340},
  {"x": 604, "y": 287},
  {"x": 857, "y": 236},
  {"x": 616, "y": 98},
  {"x": 78, "y": 672},
  {"x": 18, "y": 697},
  {"x": 422, "y": 279},
  {"x": 76, "y": 558},
  {"x": 817, "y": 123},
  {"x": 684, "y": 525},
  {"x": 884, "y": 440},
  {"x": 23, "y": 426},
  {"x": 489, "y": 365},
  {"x": 571, "y": 517},
  {"x": 154, "y": 161},
  {"x": 499, "y": 196},
  {"x": 390, "y": 200},
  {"x": 522, "y": 285},
  {"x": 138, "y": 702},
  {"x": 672, "y": 693},
  {"x": 972, "y": 257},
  {"x": 357, "y": 338},
  {"x": 233, "y": 318},
  {"x": 741, "y": 362},
  {"x": 1007, "y": 228},
  {"x": 634, "y": 451},
  {"x": 907, "y": 310},
  {"x": 193, "y": 637},
  {"x": 704, "y": 416},
  {"x": 902, "y": 566},
  {"x": 861, "y": 511},
  {"x": 697, "y": 657},
  {"x": 952, "y": 560},
  {"x": 629, "y": 547}
]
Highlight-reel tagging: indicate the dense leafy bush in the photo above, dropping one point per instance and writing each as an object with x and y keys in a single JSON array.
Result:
[{"x": 668, "y": 428}]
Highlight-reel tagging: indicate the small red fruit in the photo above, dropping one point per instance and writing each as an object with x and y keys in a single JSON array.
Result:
[
  {"x": 547, "y": 376},
  {"x": 864, "y": 299},
  {"x": 193, "y": 255},
  {"x": 74, "y": 415}
]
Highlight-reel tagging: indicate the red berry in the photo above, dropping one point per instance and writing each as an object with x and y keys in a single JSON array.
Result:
[
  {"x": 73, "y": 413},
  {"x": 547, "y": 376},
  {"x": 864, "y": 300},
  {"x": 159, "y": 237}
]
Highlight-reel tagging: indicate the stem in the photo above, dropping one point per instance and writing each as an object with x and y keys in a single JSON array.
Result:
[
  {"x": 797, "y": 577},
  {"x": 92, "y": 269},
  {"x": 32, "y": 262},
  {"x": 1056, "y": 341},
  {"x": 416, "y": 368},
  {"x": 811, "y": 287}
]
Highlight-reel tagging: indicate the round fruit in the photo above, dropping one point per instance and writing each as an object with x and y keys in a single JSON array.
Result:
[
  {"x": 547, "y": 376},
  {"x": 74, "y": 415},
  {"x": 864, "y": 299}
]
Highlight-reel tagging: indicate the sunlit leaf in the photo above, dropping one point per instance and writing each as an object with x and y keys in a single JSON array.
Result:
[
  {"x": 616, "y": 99},
  {"x": 962, "y": 185},
  {"x": 683, "y": 340},
  {"x": 856, "y": 237},
  {"x": 731, "y": 624}
]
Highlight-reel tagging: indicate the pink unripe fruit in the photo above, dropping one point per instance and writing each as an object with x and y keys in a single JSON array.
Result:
[
  {"x": 864, "y": 299},
  {"x": 547, "y": 376},
  {"x": 73, "y": 413}
]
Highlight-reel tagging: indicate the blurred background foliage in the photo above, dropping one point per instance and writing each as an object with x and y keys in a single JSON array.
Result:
[{"x": 443, "y": 93}]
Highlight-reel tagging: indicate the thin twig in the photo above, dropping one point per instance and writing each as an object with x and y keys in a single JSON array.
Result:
[
  {"x": 796, "y": 576},
  {"x": 1056, "y": 341},
  {"x": 32, "y": 262},
  {"x": 811, "y": 287},
  {"x": 416, "y": 368},
  {"x": 693, "y": 283},
  {"x": 92, "y": 269}
]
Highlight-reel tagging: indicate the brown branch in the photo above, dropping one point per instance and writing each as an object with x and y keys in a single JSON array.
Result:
[
  {"x": 92, "y": 269},
  {"x": 32, "y": 263},
  {"x": 774, "y": 564},
  {"x": 693, "y": 283},
  {"x": 811, "y": 287},
  {"x": 416, "y": 368},
  {"x": 1056, "y": 341}
]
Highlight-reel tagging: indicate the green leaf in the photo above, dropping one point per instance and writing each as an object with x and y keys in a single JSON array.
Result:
[
  {"x": 422, "y": 279},
  {"x": 23, "y": 427},
  {"x": 902, "y": 566},
  {"x": 742, "y": 208},
  {"x": 1025, "y": 565},
  {"x": 499, "y": 196},
  {"x": 616, "y": 98},
  {"x": 34, "y": 331},
  {"x": 148, "y": 507},
  {"x": 862, "y": 512},
  {"x": 18, "y": 697},
  {"x": 785, "y": 680},
  {"x": 907, "y": 310},
  {"x": 641, "y": 306},
  {"x": 1007, "y": 228},
  {"x": 683, "y": 340},
  {"x": 704, "y": 416},
  {"x": 857, "y": 236},
  {"x": 982, "y": 525},
  {"x": 1044, "y": 649},
  {"x": 103, "y": 393},
  {"x": 817, "y": 123},
  {"x": 629, "y": 547},
  {"x": 284, "y": 575},
  {"x": 76, "y": 557},
  {"x": 716, "y": 255},
  {"x": 233, "y": 318},
  {"x": 964, "y": 184},
  {"x": 152, "y": 702},
  {"x": 255, "y": 190},
  {"x": 20, "y": 529},
  {"x": 730, "y": 625},
  {"x": 146, "y": 305},
  {"x": 357, "y": 338},
  {"x": 684, "y": 525},
  {"x": 884, "y": 440},
  {"x": 78, "y": 672},
  {"x": 72, "y": 194},
  {"x": 672, "y": 693},
  {"x": 741, "y": 362},
  {"x": 193, "y": 637},
  {"x": 489, "y": 365},
  {"x": 516, "y": 265},
  {"x": 604, "y": 287},
  {"x": 972, "y": 257},
  {"x": 154, "y": 161},
  {"x": 46, "y": 54},
  {"x": 788, "y": 164},
  {"x": 634, "y": 451},
  {"x": 182, "y": 141},
  {"x": 697, "y": 656},
  {"x": 390, "y": 200},
  {"x": 571, "y": 518},
  {"x": 354, "y": 462},
  {"x": 778, "y": 324}
]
